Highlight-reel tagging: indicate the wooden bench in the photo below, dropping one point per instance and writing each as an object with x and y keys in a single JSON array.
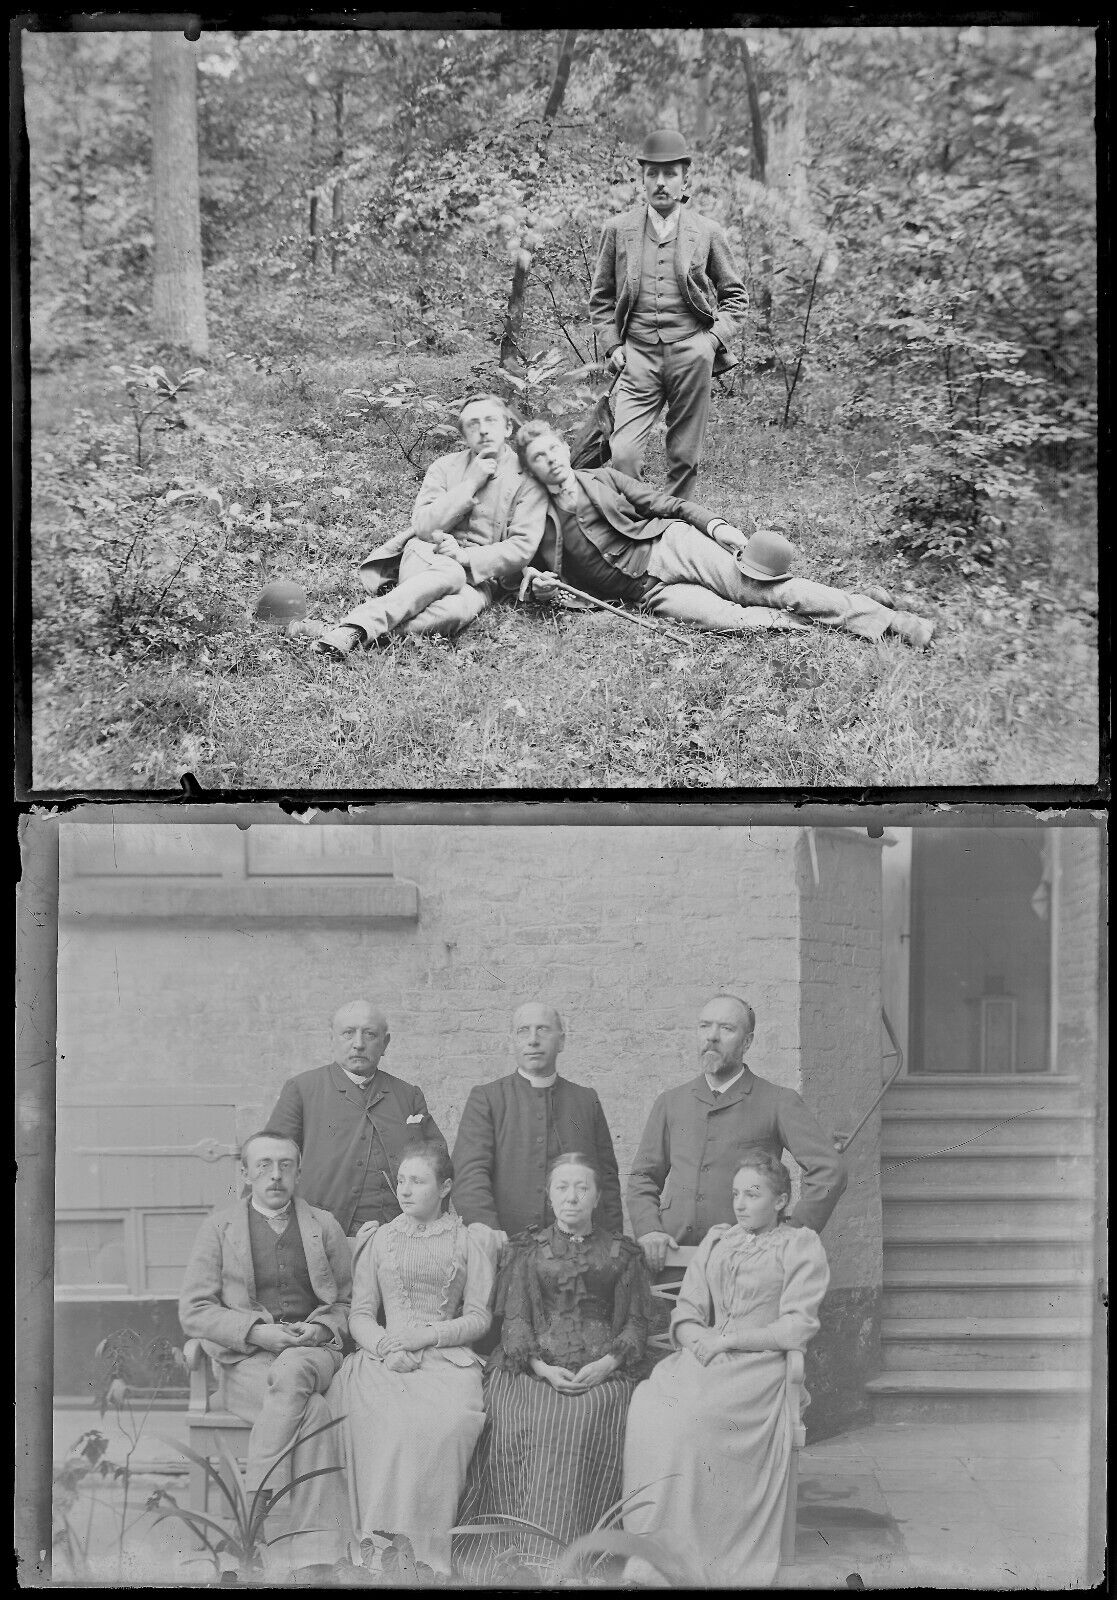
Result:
[
  {"x": 205, "y": 1424},
  {"x": 682, "y": 1257}
]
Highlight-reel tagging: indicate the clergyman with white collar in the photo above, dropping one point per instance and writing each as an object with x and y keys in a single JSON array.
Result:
[
  {"x": 352, "y": 1120},
  {"x": 512, "y": 1128},
  {"x": 681, "y": 1182}
]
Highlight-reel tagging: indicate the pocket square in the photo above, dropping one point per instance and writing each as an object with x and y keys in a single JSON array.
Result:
[{"x": 418, "y": 1117}]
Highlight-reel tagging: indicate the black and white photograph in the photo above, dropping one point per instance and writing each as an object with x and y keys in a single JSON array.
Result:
[
  {"x": 608, "y": 1204},
  {"x": 429, "y": 408}
]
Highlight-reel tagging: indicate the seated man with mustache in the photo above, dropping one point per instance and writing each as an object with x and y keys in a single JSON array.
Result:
[{"x": 620, "y": 540}]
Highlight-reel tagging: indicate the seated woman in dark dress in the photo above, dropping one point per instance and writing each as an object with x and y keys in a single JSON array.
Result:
[{"x": 576, "y": 1306}]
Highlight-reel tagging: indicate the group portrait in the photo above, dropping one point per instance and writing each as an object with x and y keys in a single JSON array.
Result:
[
  {"x": 484, "y": 409},
  {"x": 523, "y": 1206}
]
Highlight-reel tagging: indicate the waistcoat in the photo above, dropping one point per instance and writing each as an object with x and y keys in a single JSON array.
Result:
[
  {"x": 279, "y": 1266},
  {"x": 661, "y": 315}
]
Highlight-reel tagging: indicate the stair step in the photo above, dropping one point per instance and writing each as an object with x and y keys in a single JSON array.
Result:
[
  {"x": 1008, "y": 1381},
  {"x": 987, "y": 1218},
  {"x": 1034, "y": 1299},
  {"x": 982, "y": 1344},
  {"x": 966, "y": 1278},
  {"x": 977, "y": 1164},
  {"x": 985, "y": 1328},
  {"x": 934, "y": 1395},
  {"x": 1011, "y": 1193},
  {"x": 961, "y": 1291},
  {"x": 1028, "y": 1249}
]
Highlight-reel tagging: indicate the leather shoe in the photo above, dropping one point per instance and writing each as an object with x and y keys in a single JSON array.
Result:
[
  {"x": 913, "y": 630},
  {"x": 339, "y": 643}
]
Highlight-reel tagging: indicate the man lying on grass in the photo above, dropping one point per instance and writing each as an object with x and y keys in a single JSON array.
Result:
[
  {"x": 478, "y": 520},
  {"x": 619, "y": 540}
]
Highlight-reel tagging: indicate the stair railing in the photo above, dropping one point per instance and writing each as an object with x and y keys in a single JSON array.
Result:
[{"x": 842, "y": 1141}]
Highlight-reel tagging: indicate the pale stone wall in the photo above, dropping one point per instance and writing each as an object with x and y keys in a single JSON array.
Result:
[
  {"x": 626, "y": 930},
  {"x": 1078, "y": 952}
]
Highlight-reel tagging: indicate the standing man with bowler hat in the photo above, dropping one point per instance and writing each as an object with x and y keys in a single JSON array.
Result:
[{"x": 666, "y": 300}]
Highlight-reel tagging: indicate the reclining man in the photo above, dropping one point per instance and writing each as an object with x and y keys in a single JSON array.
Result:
[
  {"x": 477, "y": 522},
  {"x": 267, "y": 1291},
  {"x": 620, "y": 540}
]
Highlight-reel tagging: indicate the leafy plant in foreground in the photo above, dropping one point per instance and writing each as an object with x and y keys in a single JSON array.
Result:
[{"x": 243, "y": 1544}]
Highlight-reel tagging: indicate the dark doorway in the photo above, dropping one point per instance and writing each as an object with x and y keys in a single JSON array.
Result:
[{"x": 980, "y": 952}]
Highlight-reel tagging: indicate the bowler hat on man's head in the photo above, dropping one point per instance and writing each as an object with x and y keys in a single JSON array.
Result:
[
  {"x": 767, "y": 556},
  {"x": 665, "y": 144}
]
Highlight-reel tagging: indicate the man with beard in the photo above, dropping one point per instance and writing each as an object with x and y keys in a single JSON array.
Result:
[
  {"x": 352, "y": 1119},
  {"x": 477, "y": 520},
  {"x": 696, "y": 1134}
]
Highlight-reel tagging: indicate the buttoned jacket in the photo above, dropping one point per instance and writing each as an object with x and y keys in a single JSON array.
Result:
[
  {"x": 500, "y": 1155},
  {"x": 681, "y": 1181},
  {"x": 500, "y": 524},
  {"x": 705, "y": 270},
  {"x": 218, "y": 1303},
  {"x": 347, "y": 1132}
]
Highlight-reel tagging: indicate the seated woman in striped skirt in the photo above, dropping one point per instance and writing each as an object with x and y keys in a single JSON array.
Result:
[{"x": 576, "y": 1307}]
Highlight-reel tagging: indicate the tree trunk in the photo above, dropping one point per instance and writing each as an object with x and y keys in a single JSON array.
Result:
[
  {"x": 178, "y": 302},
  {"x": 756, "y": 119},
  {"x": 787, "y": 147},
  {"x": 338, "y": 206},
  {"x": 312, "y": 221},
  {"x": 702, "y": 91},
  {"x": 514, "y": 313}
]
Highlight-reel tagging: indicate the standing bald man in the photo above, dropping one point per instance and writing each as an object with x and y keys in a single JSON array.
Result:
[
  {"x": 511, "y": 1129},
  {"x": 681, "y": 1181},
  {"x": 351, "y": 1119}
]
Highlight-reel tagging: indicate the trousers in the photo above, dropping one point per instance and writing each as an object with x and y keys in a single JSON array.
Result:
[
  {"x": 677, "y": 376},
  {"x": 700, "y": 582},
  {"x": 283, "y": 1396},
  {"x": 432, "y": 596}
]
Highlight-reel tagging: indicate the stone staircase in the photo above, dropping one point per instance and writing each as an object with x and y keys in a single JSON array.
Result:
[{"x": 989, "y": 1258}]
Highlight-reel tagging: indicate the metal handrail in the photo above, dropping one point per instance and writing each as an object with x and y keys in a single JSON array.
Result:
[{"x": 842, "y": 1141}]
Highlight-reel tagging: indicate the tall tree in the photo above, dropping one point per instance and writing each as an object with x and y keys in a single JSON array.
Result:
[
  {"x": 179, "y": 306},
  {"x": 514, "y": 315}
]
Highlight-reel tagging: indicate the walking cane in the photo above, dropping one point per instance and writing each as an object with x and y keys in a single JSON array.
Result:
[{"x": 603, "y": 605}]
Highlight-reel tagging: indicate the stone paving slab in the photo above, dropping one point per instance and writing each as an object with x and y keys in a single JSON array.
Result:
[{"x": 892, "y": 1506}]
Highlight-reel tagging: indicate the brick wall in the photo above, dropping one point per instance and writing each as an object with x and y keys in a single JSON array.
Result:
[
  {"x": 1078, "y": 953},
  {"x": 840, "y": 1044},
  {"x": 626, "y": 930}
]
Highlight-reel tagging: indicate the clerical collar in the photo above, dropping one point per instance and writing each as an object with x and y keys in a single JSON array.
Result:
[
  {"x": 271, "y": 1216},
  {"x": 355, "y": 1077},
  {"x": 720, "y": 1088},
  {"x": 538, "y": 1083},
  {"x": 663, "y": 227}
]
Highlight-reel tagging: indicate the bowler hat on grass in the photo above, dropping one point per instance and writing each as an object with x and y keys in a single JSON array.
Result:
[
  {"x": 665, "y": 144},
  {"x": 767, "y": 556},
  {"x": 281, "y": 601}
]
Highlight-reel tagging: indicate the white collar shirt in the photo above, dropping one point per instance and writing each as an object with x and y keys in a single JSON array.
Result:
[{"x": 663, "y": 227}]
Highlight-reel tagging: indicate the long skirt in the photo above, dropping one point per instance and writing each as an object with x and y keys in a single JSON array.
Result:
[
  {"x": 711, "y": 1448},
  {"x": 549, "y": 1458},
  {"x": 407, "y": 1438}
]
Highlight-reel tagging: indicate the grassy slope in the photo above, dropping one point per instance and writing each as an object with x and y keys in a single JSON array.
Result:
[{"x": 571, "y": 700}]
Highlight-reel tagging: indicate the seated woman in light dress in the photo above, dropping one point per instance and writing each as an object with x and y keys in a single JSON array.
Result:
[
  {"x": 410, "y": 1395},
  {"x": 576, "y": 1307},
  {"x": 709, "y": 1433}
]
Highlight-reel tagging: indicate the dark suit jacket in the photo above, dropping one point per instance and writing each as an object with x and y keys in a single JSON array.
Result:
[
  {"x": 705, "y": 270},
  {"x": 631, "y": 509},
  {"x": 218, "y": 1302},
  {"x": 342, "y": 1139},
  {"x": 681, "y": 1181},
  {"x": 500, "y": 1155}
]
